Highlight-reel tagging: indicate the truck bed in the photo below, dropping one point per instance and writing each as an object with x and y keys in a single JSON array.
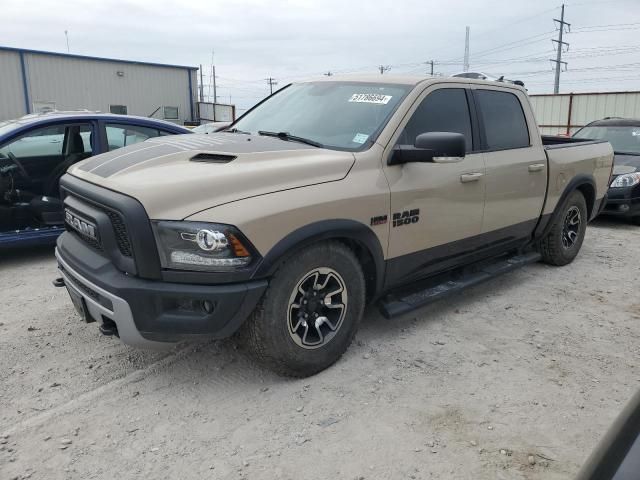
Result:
[{"x": 569, "y": 157}]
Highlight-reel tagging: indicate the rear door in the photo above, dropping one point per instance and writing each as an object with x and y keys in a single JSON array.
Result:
[
  {"x": 516, "y": 165},
  {"x": 436, "y": 208}
]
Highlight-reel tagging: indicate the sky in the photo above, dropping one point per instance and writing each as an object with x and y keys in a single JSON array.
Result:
[{"x": 252, "y": 40}]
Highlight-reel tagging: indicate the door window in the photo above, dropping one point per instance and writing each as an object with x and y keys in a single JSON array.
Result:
[
  {"x": 119, "y": 136},
  {"x": 504, "y": 123},
  {"x": 40, "y": 142},
  {"x": 444, "y": 110}
]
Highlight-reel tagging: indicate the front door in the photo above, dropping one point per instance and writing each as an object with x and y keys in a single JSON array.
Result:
[{"x": 436, "y": 208}]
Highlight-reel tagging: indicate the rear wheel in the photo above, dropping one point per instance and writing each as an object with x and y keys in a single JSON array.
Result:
[
  {"x": 310, "y": 311},
  {"x": 561, "y": 245}
]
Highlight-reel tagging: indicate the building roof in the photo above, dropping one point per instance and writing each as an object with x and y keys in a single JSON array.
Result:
[{"x": 87, "y": 57}]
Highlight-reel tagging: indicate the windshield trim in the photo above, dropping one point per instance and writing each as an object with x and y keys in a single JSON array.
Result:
[{"x": 372, "y": 138}]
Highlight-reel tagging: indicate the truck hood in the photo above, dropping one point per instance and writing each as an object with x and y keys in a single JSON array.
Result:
[{"x": 176, "y": 176}]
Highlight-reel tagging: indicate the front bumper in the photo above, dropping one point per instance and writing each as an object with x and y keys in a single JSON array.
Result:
[
  {"x": 622, "y": 202},
  {"x": 148, "y": 312}
]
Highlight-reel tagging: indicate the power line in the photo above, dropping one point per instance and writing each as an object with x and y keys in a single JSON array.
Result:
[{"x": 560, "y": 43}]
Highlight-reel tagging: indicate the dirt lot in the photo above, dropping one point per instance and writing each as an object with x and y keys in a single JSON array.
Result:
[{"x": 517, "y": 378}]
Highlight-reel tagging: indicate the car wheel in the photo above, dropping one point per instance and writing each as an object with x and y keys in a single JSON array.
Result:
[
  {"x": 310, "y": 312},
  {"x": 562, "y": 243}
]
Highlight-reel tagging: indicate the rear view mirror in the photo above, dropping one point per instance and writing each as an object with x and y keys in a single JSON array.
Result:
[
  {"x": 442, "y": 145},
  {"x": 436, "y": 147}
]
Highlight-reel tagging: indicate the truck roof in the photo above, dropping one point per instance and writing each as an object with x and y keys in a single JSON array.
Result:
[{"x": 410, "y": 80}]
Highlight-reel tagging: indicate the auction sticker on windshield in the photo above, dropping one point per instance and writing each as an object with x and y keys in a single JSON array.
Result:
[{"x": 370, "y": 98}]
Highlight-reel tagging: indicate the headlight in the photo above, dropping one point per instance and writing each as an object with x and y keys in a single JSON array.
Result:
[
  {"x": 201, "y": 246},
  {"x": 626, "y": 180}
]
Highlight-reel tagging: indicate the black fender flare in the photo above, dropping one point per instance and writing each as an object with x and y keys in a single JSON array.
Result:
[
  {"x": 334, "y": 229},
  {"x": 579, "y": 182}
]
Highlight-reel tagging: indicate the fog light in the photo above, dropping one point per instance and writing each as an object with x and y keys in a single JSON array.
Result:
[
  {"x": 623, "y": 208},
  {"x": 208, "y": 306}
]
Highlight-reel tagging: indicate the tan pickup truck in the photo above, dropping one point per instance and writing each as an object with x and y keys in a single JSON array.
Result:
[{"x": 326, "y": 196}]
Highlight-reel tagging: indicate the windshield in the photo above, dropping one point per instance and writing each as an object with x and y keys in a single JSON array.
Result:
[
  {"x": 340, "y": 115},
  {"x": 623, "y": 139}
]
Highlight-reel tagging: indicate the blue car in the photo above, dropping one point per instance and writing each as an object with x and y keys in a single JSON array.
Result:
[{"x": 36, "y": 150}]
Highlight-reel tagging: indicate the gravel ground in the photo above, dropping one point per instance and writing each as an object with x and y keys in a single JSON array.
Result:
[{"x": 515, "y": 379}]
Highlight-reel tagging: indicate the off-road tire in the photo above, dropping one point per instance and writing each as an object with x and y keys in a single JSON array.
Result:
[
  {"x": 551, "y": 246},
  {"x": 267, "y": 334}
]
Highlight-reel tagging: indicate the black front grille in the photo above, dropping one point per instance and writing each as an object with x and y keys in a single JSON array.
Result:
[
  {"x": 92, "y": 242},
  {"x": 122, "y": 237}
]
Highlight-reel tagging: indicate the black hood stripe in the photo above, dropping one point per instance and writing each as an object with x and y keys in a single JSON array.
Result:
[{"x": 116, "y": 161}]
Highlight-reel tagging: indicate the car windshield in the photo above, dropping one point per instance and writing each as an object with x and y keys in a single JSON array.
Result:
[
  {"x": 338, "y": 115},
  {"x": 624, "y": 139}
]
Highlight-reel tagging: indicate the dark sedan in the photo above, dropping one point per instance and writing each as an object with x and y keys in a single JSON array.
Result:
[
  {"x": 36, "y": 150},
  {"x": 624, "y": 190}
]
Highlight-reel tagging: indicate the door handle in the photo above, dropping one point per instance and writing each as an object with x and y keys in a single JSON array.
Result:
[
  {"x": 536, "y": 167},
  {"x": 470, "y": 177}
]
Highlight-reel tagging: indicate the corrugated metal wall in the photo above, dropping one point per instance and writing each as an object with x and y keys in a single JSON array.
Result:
[
  {"x": 554, "y": 115},
  {"x": 12, "y": 101},
  {"x": 78, "y": 83}
]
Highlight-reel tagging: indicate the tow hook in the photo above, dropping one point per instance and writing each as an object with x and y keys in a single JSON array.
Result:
[
  {"x": 58, "y": 282},
  {"x": 109, "y": 327}
]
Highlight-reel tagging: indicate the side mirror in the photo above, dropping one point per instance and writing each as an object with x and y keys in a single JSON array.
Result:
[{"x": 436, "y": 147}]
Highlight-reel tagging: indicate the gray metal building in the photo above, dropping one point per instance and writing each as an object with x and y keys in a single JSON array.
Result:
[{"x": 34, "y": 81}]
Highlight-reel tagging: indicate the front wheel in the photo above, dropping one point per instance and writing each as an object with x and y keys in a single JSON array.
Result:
[
  {"x": 561, "y": 245},
  {"x": 310, "y": 312}
]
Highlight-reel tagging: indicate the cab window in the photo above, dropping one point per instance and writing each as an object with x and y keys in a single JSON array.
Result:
[
  {"x": 444, "y": 110},
  {"x": 504, "y": 123}
]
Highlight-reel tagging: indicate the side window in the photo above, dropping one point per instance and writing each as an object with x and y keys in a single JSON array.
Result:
[
  {"x": 41, "y": 142},
  {"x": 119, "y": 136},
  {"x": 53, "y": 141},
  {"x": 171, "y": 113},
  {"x": 444, "y": 110},
  {"x": 504, "y": 123},
  {"x": 118, "y": 109}
]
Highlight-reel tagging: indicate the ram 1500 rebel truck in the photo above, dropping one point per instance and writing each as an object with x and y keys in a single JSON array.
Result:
[{"x": 326, "y": 196}]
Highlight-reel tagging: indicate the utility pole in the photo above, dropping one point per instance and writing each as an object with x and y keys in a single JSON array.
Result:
[
  {"x": 215, "y": 93},
  {"x": 466, "y": 50},
  {"x": 201, "y": 86},
  {"x": 271, "y": 82},
  {"x": 430, "y": 62},
  {"x": 384, "y": 68},
  {"x": 328, "y": 74},
  {"x": 66, "y": 36},
  {"x": 558, "y": 61}
]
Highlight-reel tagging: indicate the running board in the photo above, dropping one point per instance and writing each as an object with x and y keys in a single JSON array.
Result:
[{"x": 395, "y": 305}]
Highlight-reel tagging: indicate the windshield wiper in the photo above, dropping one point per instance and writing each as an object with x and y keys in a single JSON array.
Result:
[{"x": 287, "y": 137}]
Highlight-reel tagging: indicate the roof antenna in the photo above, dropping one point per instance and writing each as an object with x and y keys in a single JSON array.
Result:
[{"x": 66, "y": 34}]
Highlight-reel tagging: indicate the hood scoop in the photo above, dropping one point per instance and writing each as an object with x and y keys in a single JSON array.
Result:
[{"x": 212, "y": 158}]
